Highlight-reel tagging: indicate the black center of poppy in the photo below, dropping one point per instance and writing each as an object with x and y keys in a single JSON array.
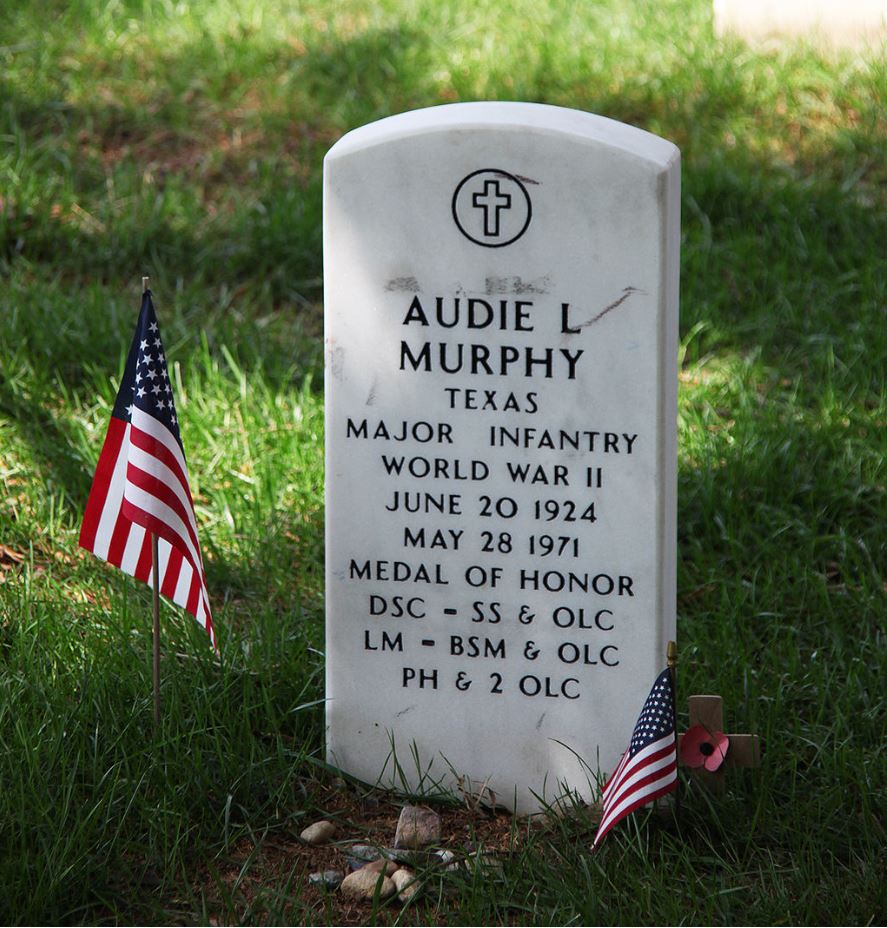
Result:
[{"x": 707, "y": 749}]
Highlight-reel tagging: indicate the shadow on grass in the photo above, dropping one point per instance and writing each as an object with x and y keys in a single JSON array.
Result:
[
  {"x": 772, "y": 250},
  {"x": 778, "y": 258},
  {"x": 52, "y": 442},
  {"x": 780, "y": 512},
  {"x": 784, "y": 268},
  {"x": 101, "y": 188}
]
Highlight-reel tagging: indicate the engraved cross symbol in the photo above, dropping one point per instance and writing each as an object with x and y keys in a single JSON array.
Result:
[{"x": 491, "y": 201}]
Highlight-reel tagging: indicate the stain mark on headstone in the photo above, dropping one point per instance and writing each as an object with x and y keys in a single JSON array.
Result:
[
  {"x": 526, "y": 180},
  {"x": 541, "y": 719},
  {"x": 337, "y": 362},
  {"x": 409, "y": 284},
  {"x": 626, "y": 293},
  {"x": 397, "y": 715},
  {"x": 517, "y": 285},
  {"x": 371, "y": 396}
]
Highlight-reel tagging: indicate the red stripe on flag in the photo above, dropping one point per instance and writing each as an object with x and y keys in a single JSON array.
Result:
[
  {"x": 631, "y": 769},
  {"x": 157, "y": 449},
  {"x": 615, "y": 774},
  {"x": 638, "y": 786},
  {"x": 640, "y": 801},
  {"x": 171, "y": 573},
  {"x": 160, "y": 490},
  {"x": 194, "y": 595},
  {"x": 176, "y": 531},
  {"x": 100, "y": 482},
  {"x": 162, "y": 530},
  {"x": 145, "y": 563},
  {"x": 122, "y": 528}
]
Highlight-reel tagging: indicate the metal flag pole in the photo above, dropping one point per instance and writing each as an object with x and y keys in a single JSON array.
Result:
[
  {"x": 672, "y": 657},
  {"x": 156, "y": 573}
]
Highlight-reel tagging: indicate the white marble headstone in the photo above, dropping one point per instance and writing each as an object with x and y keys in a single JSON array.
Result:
[{"x": 501, "y": 289}]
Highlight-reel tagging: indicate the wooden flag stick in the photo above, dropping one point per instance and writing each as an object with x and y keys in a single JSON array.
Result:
[
  {"x": 156, "y": 558},
  {"x": 156, "y": 635}
]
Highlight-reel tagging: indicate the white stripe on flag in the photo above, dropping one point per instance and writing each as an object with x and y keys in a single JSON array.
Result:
[
  {"x": 613, "y": 782},
  {"x": 158, "y": 431},
  {"x": 183, "y": 586},
  {"x": 669, "y": 776},
  {"x": 152, "y": 506},
  {"x": 631, "y": 774},
  {"x": 111, "y": 508},
  {"x": 625, "y": 793},
  {"x": 156, "y": 468},
  {"x": 133, "y": 549}
]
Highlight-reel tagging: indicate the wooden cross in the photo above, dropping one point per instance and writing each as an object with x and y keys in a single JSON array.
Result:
[{"x": 744, "y": 750}]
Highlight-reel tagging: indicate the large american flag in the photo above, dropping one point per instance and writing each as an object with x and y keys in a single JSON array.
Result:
[
  {"x": 141, "y": 482},
  {"x": 649, "y": 768}
]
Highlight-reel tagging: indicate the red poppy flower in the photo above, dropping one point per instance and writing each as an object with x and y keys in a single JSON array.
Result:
[{"x": 703, "y": 748}]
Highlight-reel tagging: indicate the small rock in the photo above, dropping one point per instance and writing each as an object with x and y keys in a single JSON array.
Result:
[
  {"x": 382, "y": 866},
  {"x": 359, "y": 855},
  {"x": 400, "y": 854},
  {"x": 417, "y": 827},
  {"x": 364, "y": 852},
  {"x": 363, "y": 884},
  {"x": 447, "y": 860},
  {"x": 406, "y": 884},
  {"x": 328, "y": 879},
  {"x": 410, "y": 857},
  {"x": 489, "y": 862},
  {"x": 318, "y": 833}
]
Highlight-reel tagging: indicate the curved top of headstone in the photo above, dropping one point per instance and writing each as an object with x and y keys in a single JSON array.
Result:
[{"x": 541, "y": 117}]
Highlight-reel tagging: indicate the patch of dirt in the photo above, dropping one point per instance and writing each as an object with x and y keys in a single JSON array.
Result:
[
  {"x": 223, "y": 155},
  {"x": 271, "y": 875}
]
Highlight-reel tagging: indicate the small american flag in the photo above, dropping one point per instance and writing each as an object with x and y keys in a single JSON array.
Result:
[
  {"x": 648, "y": 769},
  {"x": 141, "y": 482}
]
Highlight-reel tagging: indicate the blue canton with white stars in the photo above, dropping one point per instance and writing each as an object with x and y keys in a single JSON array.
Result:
[
  {"x": 657, "y": 717},
  {"x": 147, "y": 376}
]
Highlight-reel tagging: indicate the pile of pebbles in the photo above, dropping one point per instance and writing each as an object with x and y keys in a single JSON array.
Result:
[{"x": 383, "y": 872}]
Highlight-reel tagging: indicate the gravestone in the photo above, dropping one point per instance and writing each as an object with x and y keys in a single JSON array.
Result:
[{"x": 501, "y": 286}]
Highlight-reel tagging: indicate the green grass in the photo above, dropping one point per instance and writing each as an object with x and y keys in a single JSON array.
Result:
[{"x": 185, "y": 141}]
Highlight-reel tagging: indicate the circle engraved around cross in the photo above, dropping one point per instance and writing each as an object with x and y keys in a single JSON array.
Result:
[{"x": 492, "y": 207}]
